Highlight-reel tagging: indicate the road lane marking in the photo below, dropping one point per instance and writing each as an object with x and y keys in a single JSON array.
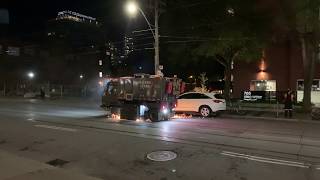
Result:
[
  {"x": 31, "y": 120},
  {"x": 266, "y": 160},
  {"x": 56, "y": 128},
  {"x": 259, "y": 157}
]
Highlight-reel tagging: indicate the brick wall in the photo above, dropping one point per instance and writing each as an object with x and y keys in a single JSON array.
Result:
[{"x": 283, "y": 63}]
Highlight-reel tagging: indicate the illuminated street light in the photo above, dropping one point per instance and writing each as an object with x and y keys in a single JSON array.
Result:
[
  {"x": 31, "y": 75},
  {"x": 81, "y": 76},
  {"x": 132, "y": 8},
  {"x": 100, "y": 83}
]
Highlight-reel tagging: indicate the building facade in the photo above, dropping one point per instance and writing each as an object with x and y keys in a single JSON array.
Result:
[
  {"x": 280, "y": 68},
  {"x": 78, "y": 42}
]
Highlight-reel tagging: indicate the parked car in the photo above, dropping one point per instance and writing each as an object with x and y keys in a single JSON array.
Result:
[{"x": 205, "y": 104}]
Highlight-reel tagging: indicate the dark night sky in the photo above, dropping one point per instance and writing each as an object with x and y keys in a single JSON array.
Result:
[
  {"x": 28, "y": 18},
  {"x": 31, "y": 16}
]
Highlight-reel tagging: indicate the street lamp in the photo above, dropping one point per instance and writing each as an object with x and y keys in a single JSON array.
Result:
[
  {"x": 31, "y": 75},
  {"x": 81, "y": 76},
  {"x": 132, "y": 8}
]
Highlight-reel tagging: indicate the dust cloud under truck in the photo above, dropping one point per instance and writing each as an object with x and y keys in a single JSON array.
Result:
[{"x": 141, "y": 96}]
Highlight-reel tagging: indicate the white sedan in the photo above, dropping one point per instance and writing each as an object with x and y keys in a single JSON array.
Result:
[{"x": 205, "y": 104}]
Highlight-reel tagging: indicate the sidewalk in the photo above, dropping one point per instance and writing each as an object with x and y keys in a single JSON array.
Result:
[{"x": 13, "y": 167}]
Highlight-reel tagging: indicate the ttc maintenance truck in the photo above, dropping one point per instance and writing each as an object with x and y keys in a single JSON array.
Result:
[{"x": 142, "y": 96}]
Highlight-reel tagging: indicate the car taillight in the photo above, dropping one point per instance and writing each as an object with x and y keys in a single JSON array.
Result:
[{"x": 217, "y": 101}]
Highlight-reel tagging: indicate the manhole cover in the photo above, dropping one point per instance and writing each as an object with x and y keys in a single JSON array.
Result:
[
  {"x": 162, "y": 156},
  {"x": 57, "y": 162}
]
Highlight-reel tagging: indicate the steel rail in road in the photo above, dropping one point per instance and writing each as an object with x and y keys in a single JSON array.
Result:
[
  {"x": 190, "y": 130},
  {"x": 197, "y": 143},
  {"x": 246, "y": 129},
  {"x": 213, "y": 134}
]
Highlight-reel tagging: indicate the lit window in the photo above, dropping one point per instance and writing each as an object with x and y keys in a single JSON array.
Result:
[
  {"x": 230, "y": 11},
  {"x": 315, "y": 85},
  {"x": 100, "y": 62},
  {"x": 263, "y": 85},
  {"x": 100, "y": 74}
]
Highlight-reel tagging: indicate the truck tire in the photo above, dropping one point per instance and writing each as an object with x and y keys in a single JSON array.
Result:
[
  {"x": 129, "y": 113},
  {"x": 153, "y": 116}
]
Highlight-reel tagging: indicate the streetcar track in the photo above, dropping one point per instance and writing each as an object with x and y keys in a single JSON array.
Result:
[
  {"x": 225, "y": 135},
  {"x": 128, "y": 122},
  {"x": 245, "y": 129},
  {"x": 185, "y": 122},
  {"x": 183, "y": 140},
  {"x": 189, "y": 141}
]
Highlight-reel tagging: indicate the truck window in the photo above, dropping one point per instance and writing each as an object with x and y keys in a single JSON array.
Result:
[{"x": 111, "y": 88}]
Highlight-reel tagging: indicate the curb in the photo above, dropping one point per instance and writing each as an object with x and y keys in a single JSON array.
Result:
[{"x": 271, "y": 119}]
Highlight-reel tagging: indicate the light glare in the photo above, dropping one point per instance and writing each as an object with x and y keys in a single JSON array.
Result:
[
  {"x": 31, "y": 75},
  {"x": 131, "y": 8},
  {"x": 165, "y": 111}
]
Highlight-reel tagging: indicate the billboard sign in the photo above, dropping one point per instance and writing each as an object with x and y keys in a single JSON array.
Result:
[{"x": 252, "y": 96}]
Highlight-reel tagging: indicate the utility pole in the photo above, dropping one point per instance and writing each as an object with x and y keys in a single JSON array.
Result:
[
  {"x": 4, "y": 89},
  {"x": 156, "y": 38},
  {"x": 157, "y": 6}
]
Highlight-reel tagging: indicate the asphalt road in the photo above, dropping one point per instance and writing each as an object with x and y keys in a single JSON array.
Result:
[{"x": 79, "y": 133}]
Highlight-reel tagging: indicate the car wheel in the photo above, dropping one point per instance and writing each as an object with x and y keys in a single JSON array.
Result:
[{"x": 205, "y": 111}]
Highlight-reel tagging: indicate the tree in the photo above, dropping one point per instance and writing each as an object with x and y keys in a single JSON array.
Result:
[
  {"x": 203, "y": 81},
  {"x": 228, "y": 51},
  {"x": 224, "y": 31},
  {"x": 304, "y": 20}
]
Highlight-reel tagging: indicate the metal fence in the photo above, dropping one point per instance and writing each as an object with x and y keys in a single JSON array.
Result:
[
  {"x": 2, "y": 89},
  {"x": 50, "y": 90}
]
